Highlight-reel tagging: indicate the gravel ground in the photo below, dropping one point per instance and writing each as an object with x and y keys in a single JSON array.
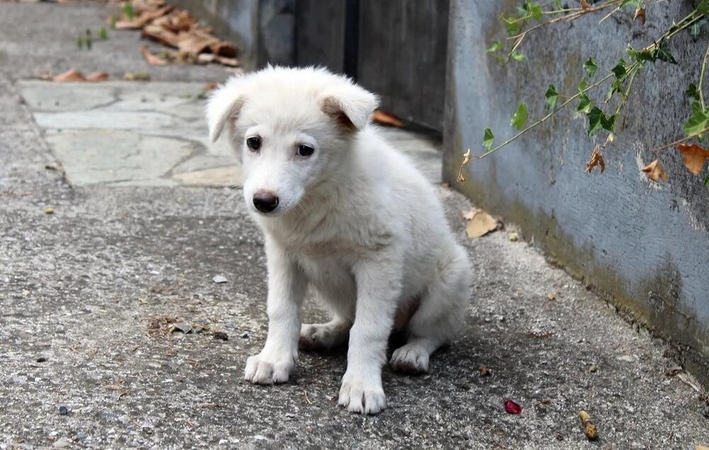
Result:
[{"x": 94, "y": 295}]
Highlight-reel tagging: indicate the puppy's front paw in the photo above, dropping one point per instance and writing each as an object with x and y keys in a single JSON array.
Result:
[
  {"x": 268, "y": 368},
  {"x": 362, "y": 395}
]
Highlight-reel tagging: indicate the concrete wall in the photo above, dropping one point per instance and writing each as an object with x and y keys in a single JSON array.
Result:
[
  {"x": 262, "y": 29},
  {"x": 645, "y": 245}
]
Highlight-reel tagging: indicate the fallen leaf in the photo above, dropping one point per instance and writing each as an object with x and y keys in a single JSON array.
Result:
[
  {"x": 701, "y": 447},
  {"x": 480, "y": 224},
  {"x": 467, "y": 156},
  {"x": 97, "y": 76},
  {"x": 136, "y": 76},
  {"x": 589, "y": 429},
  {"x": 224, "y": 48},
  {"x": 69, "y": 75},
  {"x": 512, "y": 407},
  {"x": 551, "y": 297},
  {"x": 143, "y": 19},
  {"x": 584, "y": 5},
  {"x": 384, "y": 118},
  {"x": 223, "y": 60},
  {"x": 654, "y": 171},
  {"x": 596, "y": 161},
  {"x": 195, "y": 41},
  {"x": 694, "y": 157},
  {"x": 151, "y": 58},
  {"x": 640, "y": 14},
  {"x": 220, "y": 335}
]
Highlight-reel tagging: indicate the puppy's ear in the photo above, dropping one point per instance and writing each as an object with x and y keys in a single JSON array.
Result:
[
  {"x": 349, "y": 106},
  {"x": 224, "y": 105}
]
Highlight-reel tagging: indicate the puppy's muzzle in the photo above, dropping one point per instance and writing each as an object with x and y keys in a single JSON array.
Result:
[{"x": 265, "y": 202}]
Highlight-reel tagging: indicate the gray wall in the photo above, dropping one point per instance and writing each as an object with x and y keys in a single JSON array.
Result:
[
  {"x": 645, "y": 245},
  {"x": 262, "y": 29}
]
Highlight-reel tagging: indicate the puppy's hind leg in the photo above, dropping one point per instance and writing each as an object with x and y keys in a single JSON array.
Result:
[
  {"x": 440, "y": 316},
  {"x": 325, "y": 336}
]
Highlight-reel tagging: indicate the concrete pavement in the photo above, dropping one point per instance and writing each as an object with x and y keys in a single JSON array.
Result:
[{"x": 96, "y": 298}]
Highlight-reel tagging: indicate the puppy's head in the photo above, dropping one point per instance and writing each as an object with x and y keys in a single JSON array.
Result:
[{"x": 290, "y": 127}]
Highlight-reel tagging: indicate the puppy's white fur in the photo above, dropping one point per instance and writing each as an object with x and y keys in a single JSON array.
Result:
[{"x": 355, "y": 221}]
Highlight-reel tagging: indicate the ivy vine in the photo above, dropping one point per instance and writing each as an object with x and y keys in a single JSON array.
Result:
[{"x": 618, "y": 82}]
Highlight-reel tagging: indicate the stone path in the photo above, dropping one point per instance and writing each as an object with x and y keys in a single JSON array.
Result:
[{"x": 151, "y": 134}]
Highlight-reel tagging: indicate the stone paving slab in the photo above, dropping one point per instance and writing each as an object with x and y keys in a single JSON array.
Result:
[{"x": 153, "y": 134}]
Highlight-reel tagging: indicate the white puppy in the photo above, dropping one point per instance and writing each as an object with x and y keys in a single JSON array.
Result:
[{"x": 349, "y": 216}]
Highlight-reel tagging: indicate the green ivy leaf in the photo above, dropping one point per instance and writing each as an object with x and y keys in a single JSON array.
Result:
[
  {"x": 663, "y": 52},
  {"x": 495, "y": 46},
  {"x": 551, "y": 96},
  {"x": 706, "y": 181},
  {"x": 598, "y": 121},
  {"x": 632, "y": 3},
  {"x": 520, "y": 116},
  {"x": 619, "y": 70},
  {"x": 590, "y": 67},
  {"x": 594, "y": 120},
  {"x": 102, "y": 34},
  {"x": 584, "y": 104},
  {"x": 608, "y": 122},
  {"x": 697, "y": 121},
  {"x": 582, "y": 85},
  {"x": 696, "y": 29},
  {"x": 512, "y": 26},
  {"x": 615, "y": 87},
  {"x": 533, "y": 10},
  {"x": 488, "y": 139},
  {"x": 517, "y": 56},
  {"x": 703, "y": 7},
  {"x": 692, "y": 91}
]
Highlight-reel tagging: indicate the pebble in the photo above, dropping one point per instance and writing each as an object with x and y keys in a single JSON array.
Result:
[
  {"x": 63, "y": 410},
  {"x": 219, "y": 279},
  {"x": 245, "y": 336},
  {"x": 221, "y": 335},
  {"x": 62, "y": 443},
  {"x": 41, "y": 359}
]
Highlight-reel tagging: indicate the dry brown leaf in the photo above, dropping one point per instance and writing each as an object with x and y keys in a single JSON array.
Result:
[
  {"x": 136, "y": 76},
  {"x": 467, "y": 156},
  {"x": 69, "y": 75},
  {"x": 144, "y": 18},
  {"x": 694, "y": 157},
  {"x": 195, "y": 41},
  {"x": 701, "y": 447},
  {"x": 383, "y": 118},
  {"x": 596, "y": 161},
  {"x": 584, "y": 5},
  {"x": 161, "y": 35},
  {"x": 223, "y": 60},
  {"x": 654, "y": 171},
  {"x": 224, "y": 48},
  {"x": 152, "y": 59},
  {"x": 589, "y": 429},
  {"x": 97, "y": 76},
  {"x": 480, "y": 224},
  {"x": 640, "y": 14}
]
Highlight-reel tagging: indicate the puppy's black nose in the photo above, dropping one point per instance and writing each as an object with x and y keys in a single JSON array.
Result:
[{"x": 265, "y": 201}]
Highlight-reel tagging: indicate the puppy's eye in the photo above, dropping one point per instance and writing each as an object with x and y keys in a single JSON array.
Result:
[
  {"x": 254, "y": 143},
  {"x": 305, "y": 150}
]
